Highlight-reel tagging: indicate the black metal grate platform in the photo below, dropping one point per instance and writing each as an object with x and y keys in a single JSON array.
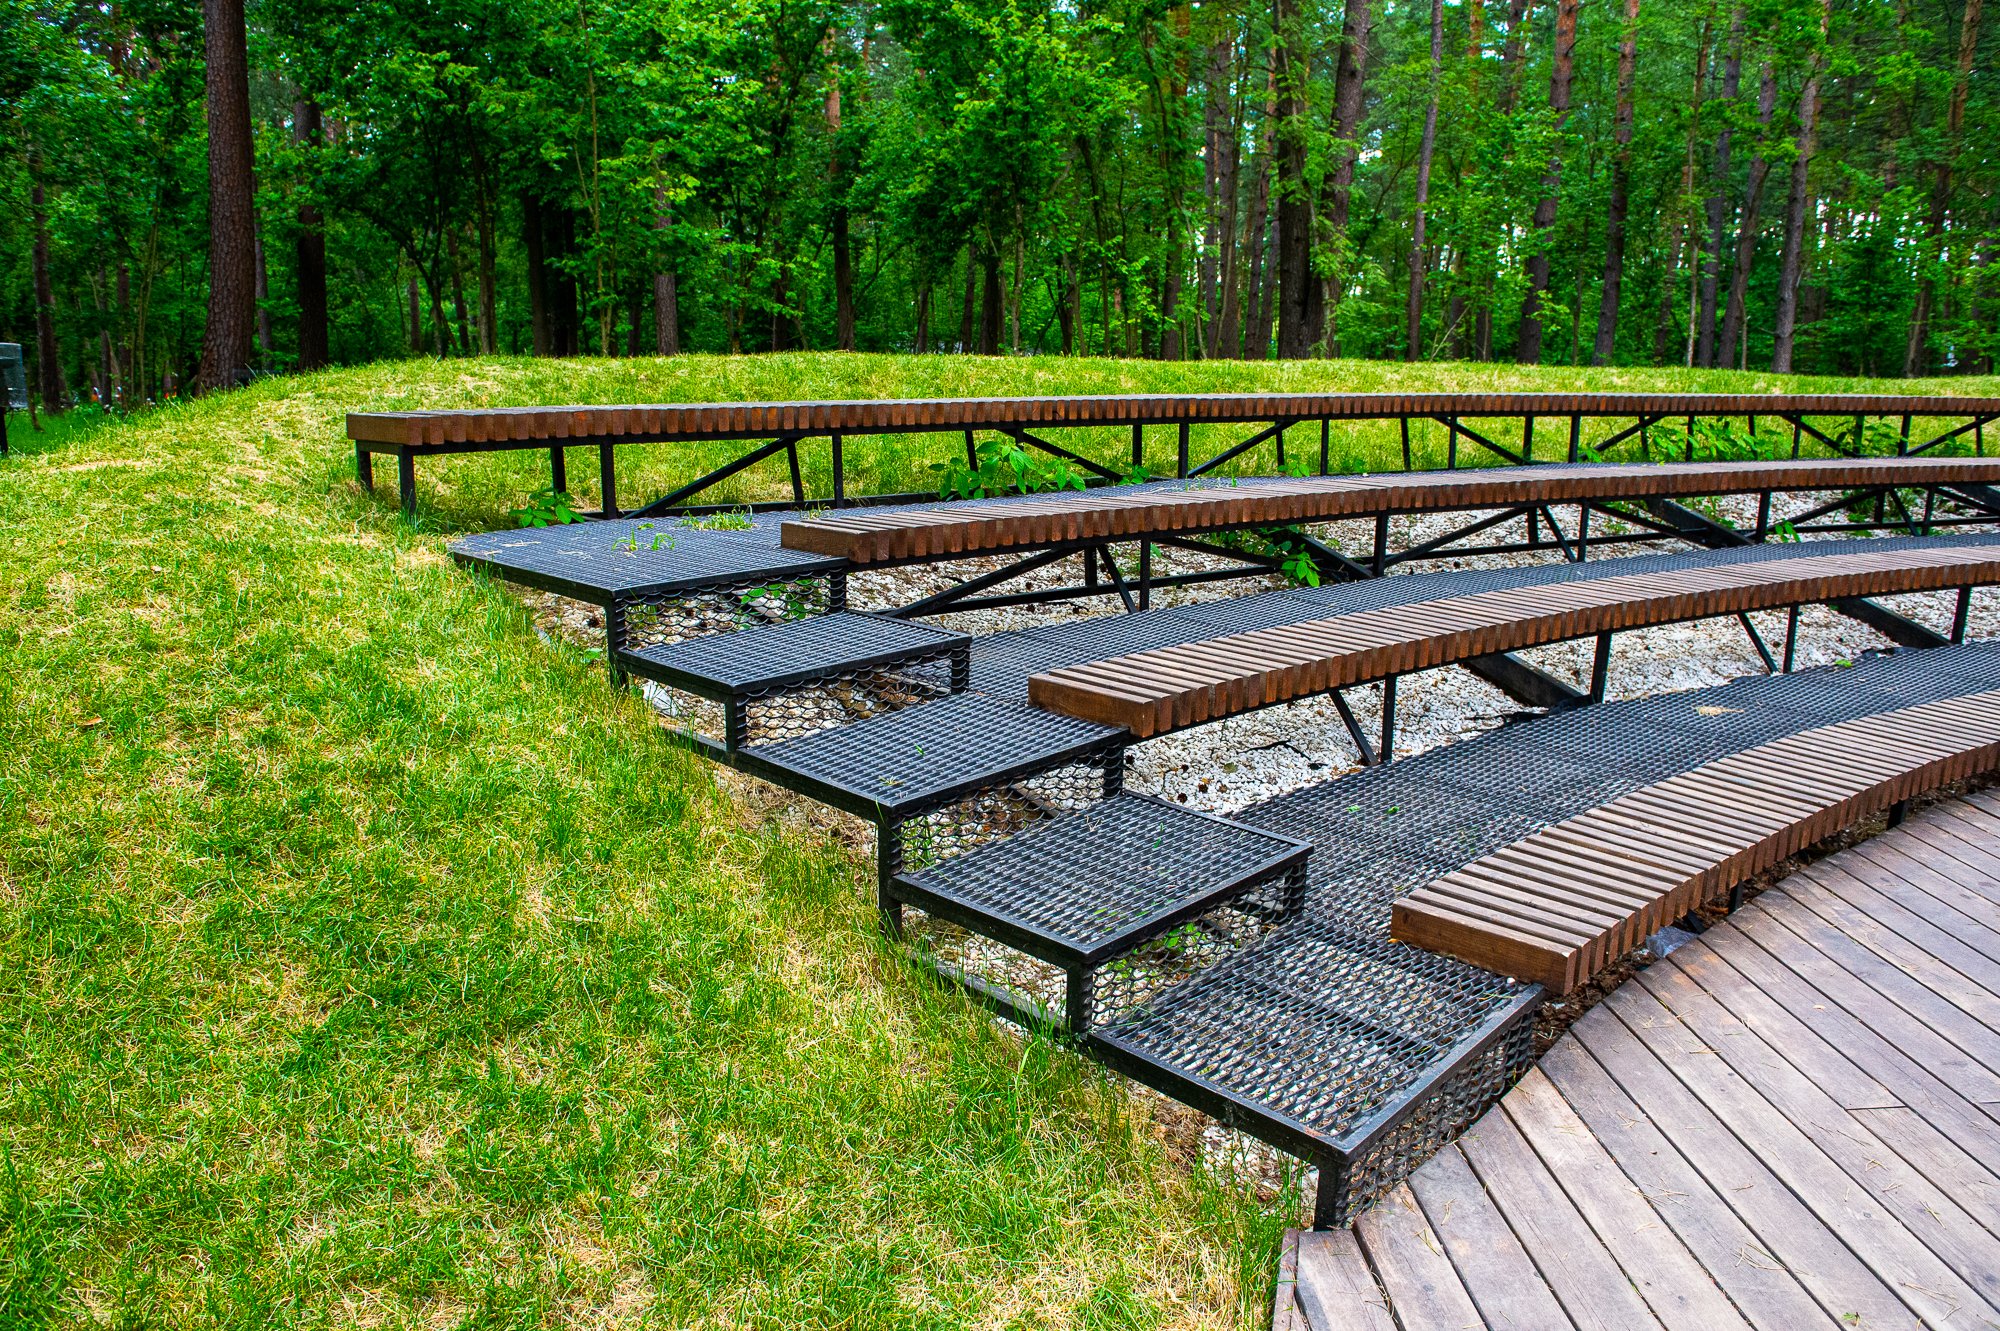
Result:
[
  {"x": 774, "y": 655},
  {"x": 1079, "y": 890}
]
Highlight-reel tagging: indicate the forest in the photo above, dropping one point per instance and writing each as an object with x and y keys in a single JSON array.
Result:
[{"x": 196, "y": 192}]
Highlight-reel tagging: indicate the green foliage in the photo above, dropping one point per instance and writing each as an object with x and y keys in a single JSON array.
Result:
[
  {"x": 546, "y": 507},
  {"x": 1006, "y": 467},
  {"x": 647, "y": 536}
]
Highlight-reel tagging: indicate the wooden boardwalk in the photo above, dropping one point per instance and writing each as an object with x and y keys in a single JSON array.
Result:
[{"x": 1792, "y": 1122}]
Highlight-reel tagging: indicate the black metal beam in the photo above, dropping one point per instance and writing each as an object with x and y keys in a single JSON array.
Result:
[{"x": 722, "y": 473}]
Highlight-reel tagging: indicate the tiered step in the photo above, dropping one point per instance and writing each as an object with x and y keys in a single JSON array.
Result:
[
  {"x": 1122, "y": 898},
  {"x": 779, "y": 681}
]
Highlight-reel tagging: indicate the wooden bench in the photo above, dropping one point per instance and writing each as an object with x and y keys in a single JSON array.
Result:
[
  {"x": 957, "y": 531},
  {"x": 1152, "y": 692},
  {"x": 773, "y": 429},
  {"x": 1558, "y": 906}
]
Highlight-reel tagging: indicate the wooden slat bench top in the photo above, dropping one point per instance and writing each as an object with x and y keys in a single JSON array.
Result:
[
  {"x": 1152, "y": 692},
  {"x": 1115, "y": 514},
  {"x": 1559, "y": 905},
  {"x": 719, "y": 420}
]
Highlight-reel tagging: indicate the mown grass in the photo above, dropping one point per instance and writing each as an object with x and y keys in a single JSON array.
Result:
[{"x": 365, "y": 961}]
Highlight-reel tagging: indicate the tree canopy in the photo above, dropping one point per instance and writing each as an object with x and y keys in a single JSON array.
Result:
[{"x": 1798, "y": 184}]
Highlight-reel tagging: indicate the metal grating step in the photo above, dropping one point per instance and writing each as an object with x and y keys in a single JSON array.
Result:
[
  {"x": 778, "y": 681},
  {"x": 1084, "y": 891}
]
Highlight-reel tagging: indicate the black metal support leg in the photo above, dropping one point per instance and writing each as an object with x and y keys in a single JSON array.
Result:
[
  {"x": 839, "y": 472},
  {"x": 1326, "y": 442},
  {"x": 614, "y": 642},
  {"x": 798, "y": 478},
  {"x": 1330, "y": 1198},
  {"x": 1582, "y": 532},
  {"x": 1600, "y": 668},
  {"x": 1575, "y": 437},
  {"x": 1388, "y": 747},
  {"x": 1183, "y": 471},
  {"x": 406, "y": 480},
  {"x": 1791, "y": 639},
  {"x": 1961, "y": 614},
  {"x": 607, "y": 478},
  {"x": 1381, "y": 560},
  {"x": 1404, "y": 421},
  {"x": 1757, "y": 641},
  {"x": 558, "y": 471},
  {"x": 888, "y": 863},
  {"x": 1145, "y": 575},
  {"x": 1354, "y": 730}
]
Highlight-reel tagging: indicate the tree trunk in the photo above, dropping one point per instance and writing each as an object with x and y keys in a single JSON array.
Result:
[
  {"x": 1718, "y": 204},
  {"x": 843, "y": 258},
  {"x": 1621, "y": 194},
  {"x": 968, "y": 310},
  {"x": 1225, "y": 337},
  {"x": 1413, "y": 312},
  {"x": 309, "y": 252},
  {"x": 1746, "y": 231},
  {"x": 1215, "y": 134},
  {"x": 416, "y": 319},
  {"x": 48, "y": 354},
  {"x": 1528, "y": 346},
  {"x": 461, "y": 311},
  {"x": 1792, "y": 263},
  {"x": 538, "y": 275},
  {"x": 1916, "y": 349},
  {"x": 666, "y": 286},
  {"x": 989, "y": 304},
  {"x": 1256, "y": 339},
  {"x": 1680, "y": 228},
  {"x": 1294, "y": 257},
  {"x": 232, "y": 212},
  {"x": 1350, "y": 85},
  {"x": 923, "y": 318}
]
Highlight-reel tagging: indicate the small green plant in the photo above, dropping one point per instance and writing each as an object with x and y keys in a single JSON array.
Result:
[
  {"x": 639, "y": 540},
  {"x": 1138, "y": 473},
  {"x": 1785, "y": 531},
  {"x": 731, "y": 520},
  {"x": 791, "y": 600},
  {"x": 1289, "y": 545},
  {"x": 1006, "y": 467},
  {"x": 546, "y": 507},
  {"x": 1712, "y": 441}
]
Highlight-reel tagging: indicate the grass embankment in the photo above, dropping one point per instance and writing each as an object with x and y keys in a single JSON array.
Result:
[{"x": 364, "y": 961}]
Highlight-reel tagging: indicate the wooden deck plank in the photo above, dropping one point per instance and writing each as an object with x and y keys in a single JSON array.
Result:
[
  {"x": 1786, "y": 1227},
  {"x": 1859, "y": 913},
  {"x": 1495, "y": 1268},
  {"x": 1334, "y": 1288},
  {"x": 1927, "y": 1283},
  {"x": 1582, "y": 1273},
  {"x": 1898, "y": 986},
  {"x": 1667, "y": 1276},
  {"x": 1790, "y": 1122},
  {"x": 1759, "y": 1285},
  {"x": 1410, "y": 1262},
  {"x": 1917, "y": 1066},
  {"x": 1795, "y": 1089}
]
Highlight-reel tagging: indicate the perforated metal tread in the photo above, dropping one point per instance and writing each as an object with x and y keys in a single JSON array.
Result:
[
  {"x": 771, "y": 656},
  {"x": 921, "y": 756},
  {"x": 1317, "y": 1027},
  {"x": 1083, "y": 888},
  {"x": 618, "y": 557}
]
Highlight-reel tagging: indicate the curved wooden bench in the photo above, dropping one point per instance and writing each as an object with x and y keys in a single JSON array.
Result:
[
  {"x": 958, "y": 530},
  {"x": 1558, "y": 906},
  {"x": 1150, "y": 693}
]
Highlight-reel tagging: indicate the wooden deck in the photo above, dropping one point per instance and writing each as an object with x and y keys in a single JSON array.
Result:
[{"x": 1793, "y": 1121}]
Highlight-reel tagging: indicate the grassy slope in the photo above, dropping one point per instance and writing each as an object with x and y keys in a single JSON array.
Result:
[{"x": 363, "y": 960}]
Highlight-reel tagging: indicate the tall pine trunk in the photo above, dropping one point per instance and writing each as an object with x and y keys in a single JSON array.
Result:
[
  {"x": 1215, "y": 129},
  {"x": 1680, "y": 228},
  {"x": 1413, "y": 308},
  {"x": 843, "y": 257},
  {"x": 1294, "y": 257},
  {"x": 1916, "y": 349},
  {"x": 1718, "y": 203},
  {"x": 1791, "y": 264},
  {"x": 1746, "y": 230},
  {"x": 1528, "y": 345},
  {"x": 666, "y": 285},
  {"x": 48, "y": 353},
  {"x": 232, "y": 239},
  {"x": 309, "y": 250},
  {"x": 1350, "y": 85},
  {"x": 532, "y": 238},
  {"x": 1256, "y": 341},
  {"x": 1621, "y": 194}
]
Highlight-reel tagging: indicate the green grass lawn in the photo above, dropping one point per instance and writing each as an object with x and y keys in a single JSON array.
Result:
[{"x": 365, "y": 961}]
